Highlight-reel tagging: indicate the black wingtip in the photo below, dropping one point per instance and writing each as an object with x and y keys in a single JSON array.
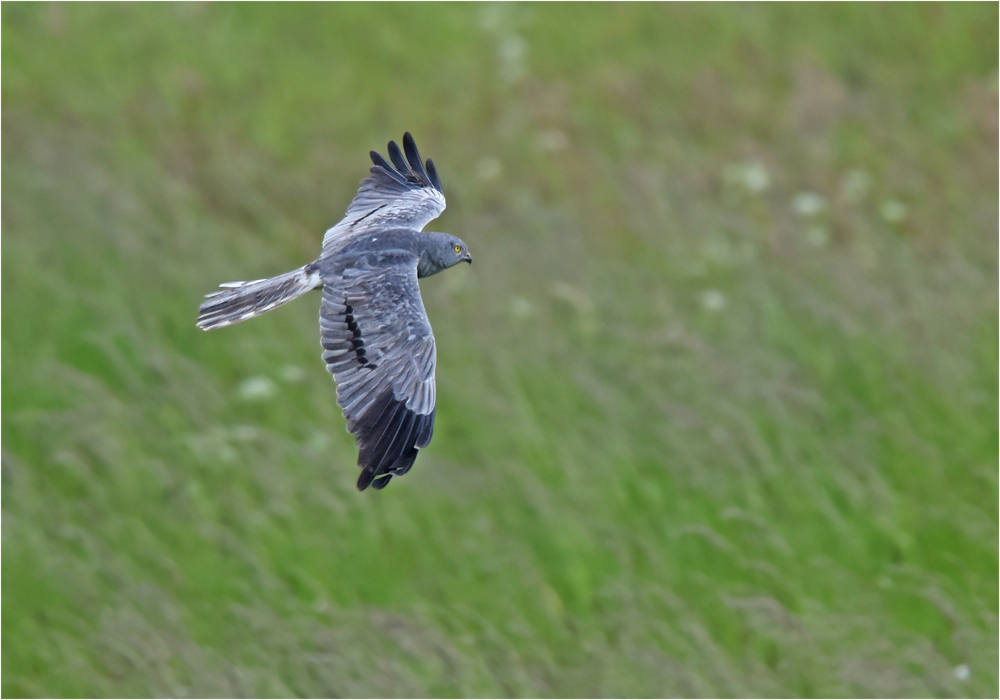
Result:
[
  {"x": 383, "y": 169},
  {"x": 409, "y": 168},
  {"x": 388, "y": 435},
  {"x": 433, "y": 175},
  {"x": 413, "y": 156},
  {"x": 365, "y": 479},
  {"x": 397, "y": 158}
]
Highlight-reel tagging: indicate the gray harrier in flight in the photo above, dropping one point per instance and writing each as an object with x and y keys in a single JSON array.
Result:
[{"x": 377, "y": 341}]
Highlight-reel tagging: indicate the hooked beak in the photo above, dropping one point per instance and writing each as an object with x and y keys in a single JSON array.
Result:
[{"x": 468, "y": 258}]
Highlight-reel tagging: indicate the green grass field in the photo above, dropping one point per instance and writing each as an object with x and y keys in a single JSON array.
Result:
[{"x": 717, "y": 403}]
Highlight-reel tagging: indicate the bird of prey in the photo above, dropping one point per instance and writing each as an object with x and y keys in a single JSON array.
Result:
[{"x": 377, "y": 341}]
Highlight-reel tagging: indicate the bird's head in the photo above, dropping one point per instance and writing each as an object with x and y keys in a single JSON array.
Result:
[
  {"x": 442, "y": 251},
  {"x": 457, "y": 251}
]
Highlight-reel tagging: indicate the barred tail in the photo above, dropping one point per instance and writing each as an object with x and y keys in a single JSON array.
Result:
[{"x": 238, "y": 301}]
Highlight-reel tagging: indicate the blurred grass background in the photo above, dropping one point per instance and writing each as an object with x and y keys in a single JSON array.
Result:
[{"x": 717, "y": 402}]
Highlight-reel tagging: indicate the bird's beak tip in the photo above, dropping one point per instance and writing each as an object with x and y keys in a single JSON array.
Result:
[{"x": 468, "y": 259}]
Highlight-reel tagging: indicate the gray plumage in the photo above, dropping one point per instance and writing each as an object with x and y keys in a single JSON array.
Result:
[{"x": 377, "y": 341}]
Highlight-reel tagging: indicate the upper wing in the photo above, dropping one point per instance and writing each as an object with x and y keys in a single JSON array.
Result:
[
  {"x": 379, "y": 347},
  {"x": 404, "y": 196}
]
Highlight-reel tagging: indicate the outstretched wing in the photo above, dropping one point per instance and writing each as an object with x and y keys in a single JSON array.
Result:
[
  {"x": 378, "y": 344},
  {"x": 404, "y": 196}
]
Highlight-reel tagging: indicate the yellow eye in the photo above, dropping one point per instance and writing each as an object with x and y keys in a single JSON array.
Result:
[{"x": 458, "y": 249}]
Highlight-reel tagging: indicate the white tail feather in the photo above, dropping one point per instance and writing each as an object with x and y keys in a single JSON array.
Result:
[{"x": 238, "y": 301}]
